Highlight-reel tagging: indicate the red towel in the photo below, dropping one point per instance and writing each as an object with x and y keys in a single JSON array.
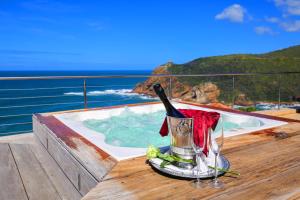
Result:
[{"x": 201, "y": 118}]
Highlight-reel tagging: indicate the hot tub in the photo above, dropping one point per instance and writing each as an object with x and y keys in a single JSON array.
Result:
[{"x": 125, "y": 132}]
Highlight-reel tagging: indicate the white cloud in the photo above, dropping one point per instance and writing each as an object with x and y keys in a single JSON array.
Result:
[
  {"x": 272, "y": 19},
  {"x": 261, "y": 30},
  {"x": 293, "y": 26},
  {"x": 291, "y": 7},
  {"x": 288, "y": 22},
  {"x": 233, "y": 13}
]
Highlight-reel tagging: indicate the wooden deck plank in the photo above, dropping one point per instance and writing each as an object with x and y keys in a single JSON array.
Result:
[
  {"x": 63, "y": 185},
  {"x": 77, "y": 174},
  {"x": 293, "y": 116},
  {"x": 10, "y": 180},
  {"x": 25, "y": 138},
  {"x": 36, "y": 182},
  {"x": 94, "y": 159},
  {"x": 278, "y": 186}
]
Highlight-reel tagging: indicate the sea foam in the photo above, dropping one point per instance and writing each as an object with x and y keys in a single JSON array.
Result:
[{"x": 120, "y": 92}]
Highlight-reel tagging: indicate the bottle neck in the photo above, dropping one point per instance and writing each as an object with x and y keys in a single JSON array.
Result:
[
  {"x": 171, "y": 111},
  {"x": 169, "y": 107}
]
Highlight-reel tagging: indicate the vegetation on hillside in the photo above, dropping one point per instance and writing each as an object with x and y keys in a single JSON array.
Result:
[{"x": 257, "y": 88}]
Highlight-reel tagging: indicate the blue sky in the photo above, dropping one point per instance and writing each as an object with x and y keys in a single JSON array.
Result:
[{"x": 135, "y": 34}]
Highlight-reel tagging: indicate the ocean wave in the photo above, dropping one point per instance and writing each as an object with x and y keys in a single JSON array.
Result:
[
  {"x": 120, "y": 92},
  {"x": 270, "y": 106},
  {"x": 125, "y": 92},
  {"x": 73, "y": 93}
]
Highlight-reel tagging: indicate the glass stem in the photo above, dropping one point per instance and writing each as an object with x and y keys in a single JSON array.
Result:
[
  {"x": 216, "y": 166},
  {"x": 198, "y": 167}
]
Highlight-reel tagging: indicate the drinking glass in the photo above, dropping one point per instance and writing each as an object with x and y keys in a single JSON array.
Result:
[
  {"x": 216, "y": 144},
  {"x": 198, "y": 149}
]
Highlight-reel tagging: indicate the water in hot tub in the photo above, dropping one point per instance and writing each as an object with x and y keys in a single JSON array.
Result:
[
  {"x": 131, "y": 129},
  {"x": 139, "y": 130}
]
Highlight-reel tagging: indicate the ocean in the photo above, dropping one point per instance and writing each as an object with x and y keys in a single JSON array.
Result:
[{"x": 20, "y": 99}]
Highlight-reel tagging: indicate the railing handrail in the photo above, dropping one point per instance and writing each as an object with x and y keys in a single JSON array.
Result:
[{"x": 140, "y": 76}]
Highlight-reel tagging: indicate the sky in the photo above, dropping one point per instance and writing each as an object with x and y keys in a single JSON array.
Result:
[{"x": 139, "y": 34}]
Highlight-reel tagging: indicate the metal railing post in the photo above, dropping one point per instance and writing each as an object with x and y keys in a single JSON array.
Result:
[
  {"x": 279, "y": 92},
  {"x": 233, "y": 90},
  {"x": 170, "y": 88},
  {"x": 84, "y": 93}
]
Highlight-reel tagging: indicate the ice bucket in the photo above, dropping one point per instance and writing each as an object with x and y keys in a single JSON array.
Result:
[{"x": 180, "y": 130}]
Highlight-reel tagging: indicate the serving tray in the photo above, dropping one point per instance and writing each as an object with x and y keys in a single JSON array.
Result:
[{"x": 192, "y": 173}]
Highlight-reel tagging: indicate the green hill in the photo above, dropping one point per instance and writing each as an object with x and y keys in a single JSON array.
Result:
[
  {"x": 257, "y": 88},
  {"x": 291, "y": 52},
  {"x": 277, "y": 61}
]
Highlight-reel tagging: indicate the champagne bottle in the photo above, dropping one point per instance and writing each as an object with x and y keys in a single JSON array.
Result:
[{"x": 171, "y": 111}]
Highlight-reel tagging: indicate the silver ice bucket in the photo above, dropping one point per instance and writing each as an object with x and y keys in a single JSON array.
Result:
[{"x": 181, "y": 130}]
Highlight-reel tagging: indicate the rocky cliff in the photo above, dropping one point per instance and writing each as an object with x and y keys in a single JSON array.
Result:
[
  {"x": 202, "y": 93},
  {"x": 179, "y": 89}
]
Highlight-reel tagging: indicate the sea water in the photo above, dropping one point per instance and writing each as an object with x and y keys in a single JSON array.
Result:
[
  {"x": 61, "y": 94},
  {"x": 139, "y": 130}
]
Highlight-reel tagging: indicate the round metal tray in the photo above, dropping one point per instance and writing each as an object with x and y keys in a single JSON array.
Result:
[{"x": 184, "y": 173}]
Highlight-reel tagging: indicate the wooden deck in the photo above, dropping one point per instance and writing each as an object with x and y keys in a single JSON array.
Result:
[
  {"x": 27, "y": 171},
  {"x": 269, "y": 163}
]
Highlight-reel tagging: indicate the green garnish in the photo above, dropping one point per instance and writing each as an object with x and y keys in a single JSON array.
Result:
[
  {"x": 225, "y": 170},
  {"x": 164, "y": 163},
  {"x": 154, "y": 152}
]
